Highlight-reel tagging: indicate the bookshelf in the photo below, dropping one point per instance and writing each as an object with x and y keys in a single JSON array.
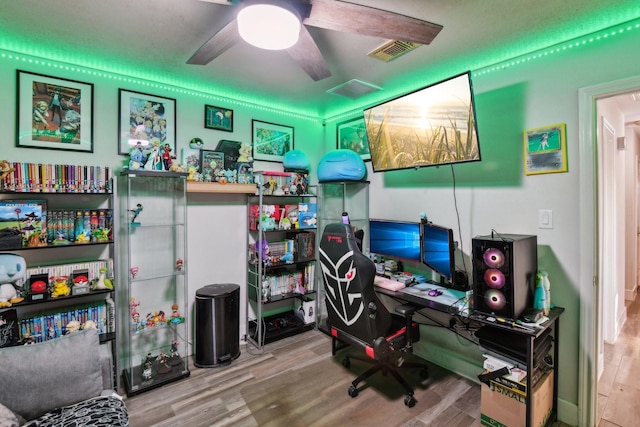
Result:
[{"x": 63, "y": 258}]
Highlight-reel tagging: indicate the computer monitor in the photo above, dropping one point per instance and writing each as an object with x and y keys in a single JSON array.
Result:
[
  {"x": 438, "y": 249},
  {"x": 395, "y": 239}
]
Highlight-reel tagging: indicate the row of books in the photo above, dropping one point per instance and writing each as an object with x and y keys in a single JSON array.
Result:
[
  {"x": 55, "y": 178},
  {"x": 300, "y": 282},
  {"x": 45, "y": 327}
]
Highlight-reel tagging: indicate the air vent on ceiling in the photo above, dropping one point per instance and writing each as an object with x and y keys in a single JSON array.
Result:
[
  {"x": 392, "y": 49},
  {"x": 354, "y": 89}
]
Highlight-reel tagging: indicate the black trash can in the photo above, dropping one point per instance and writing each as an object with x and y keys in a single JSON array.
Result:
[{"x": 217, "y": 332}]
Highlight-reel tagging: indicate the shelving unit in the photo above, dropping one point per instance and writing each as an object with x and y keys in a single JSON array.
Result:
[
  {"x": 280, "y": 281},
  {"x": 533, "y": 340},
  {"x": 56, "y": 257},
  {"x": 334, "y": 198},
  {"x": 153, "y": 321}
]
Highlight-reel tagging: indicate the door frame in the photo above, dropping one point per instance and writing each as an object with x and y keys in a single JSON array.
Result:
[{"x": 588, "y": 244}]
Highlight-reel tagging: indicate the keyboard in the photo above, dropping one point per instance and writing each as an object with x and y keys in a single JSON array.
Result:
[{"x": 388, "y": 284}]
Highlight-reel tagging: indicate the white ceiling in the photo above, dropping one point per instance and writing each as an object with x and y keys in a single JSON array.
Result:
[{"x": 155, "y": 38}]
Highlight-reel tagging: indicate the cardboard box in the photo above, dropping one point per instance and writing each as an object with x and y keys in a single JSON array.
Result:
[{"x": 503, "y": 407}]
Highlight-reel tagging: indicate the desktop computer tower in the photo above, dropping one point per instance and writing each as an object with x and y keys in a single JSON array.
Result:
[{"x": 504, "y": 274}]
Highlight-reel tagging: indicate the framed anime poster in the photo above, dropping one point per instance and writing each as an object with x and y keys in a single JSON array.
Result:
[
  {"x": 218, "y": 118},
  {"x": 146, "y": 120},
  {"x": 545, "y": 149},
  {"x": 271, "y": 141},
  {"x": 351, "y": 135},
  {"x": 54, "y": 113}
]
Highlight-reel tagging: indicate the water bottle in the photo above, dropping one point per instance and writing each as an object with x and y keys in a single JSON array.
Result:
[
  {"x": 547, "y": 292},
  {"x": 539, "y": 296}
]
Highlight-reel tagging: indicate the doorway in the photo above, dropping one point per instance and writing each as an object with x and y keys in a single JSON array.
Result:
[{"x": 597, "y": 311}]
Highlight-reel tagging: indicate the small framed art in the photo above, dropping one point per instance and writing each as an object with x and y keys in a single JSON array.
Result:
[
  {"x": 144, "y": 120},
  {"x": 352, "y": 135},
  {"x": 54, "y": 113},
  {"x": 211, "y": 162},
  {"x": 545, "y": 149},
  {"x": 270, "y": 141},
  {"x": 218, "y": 118}
]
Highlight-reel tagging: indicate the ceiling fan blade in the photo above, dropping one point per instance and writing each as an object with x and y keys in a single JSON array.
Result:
[
  {"x": 368, "y": 21},
  {"x": 307, "y": 54},
  {"x": 216, "y": 45}
]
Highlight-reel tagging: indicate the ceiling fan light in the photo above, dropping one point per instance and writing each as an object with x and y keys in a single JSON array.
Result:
[{"x": 268, "y": 26}]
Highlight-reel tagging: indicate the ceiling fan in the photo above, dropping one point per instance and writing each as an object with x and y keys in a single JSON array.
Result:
[
  {"x": 328, "y": 14},
  {"x": 633, "y": 123}
]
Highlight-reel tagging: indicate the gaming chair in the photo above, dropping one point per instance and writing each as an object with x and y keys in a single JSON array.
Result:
[{"x": 356, "y": 316}]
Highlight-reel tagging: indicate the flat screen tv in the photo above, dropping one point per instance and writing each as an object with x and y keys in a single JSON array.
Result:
[
  {"x": 395, "y": 239},
  {"x": 438, "y": 250},
  {"x": 432, "y": 126}
]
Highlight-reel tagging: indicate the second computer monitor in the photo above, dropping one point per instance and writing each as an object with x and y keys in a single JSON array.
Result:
[{"x": 438, "y": 249}]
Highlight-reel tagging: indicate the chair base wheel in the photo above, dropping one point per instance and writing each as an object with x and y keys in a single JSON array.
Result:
[
  {"x": 346, "y": 362},
  {"x": 424, "y": 373},
  {"x": 410, "y": 401},
  {"x": 353, "y": 391}
]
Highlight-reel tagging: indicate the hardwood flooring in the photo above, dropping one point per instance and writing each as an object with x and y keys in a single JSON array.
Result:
[
  {"x": 245, "y": 394},
  {"x": 619, "y": 384}
]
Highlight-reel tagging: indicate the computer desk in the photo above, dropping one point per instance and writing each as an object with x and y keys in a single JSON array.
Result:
[{"x": 443, "y": 305}]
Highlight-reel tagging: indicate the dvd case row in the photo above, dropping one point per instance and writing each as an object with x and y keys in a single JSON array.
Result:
[{"x": 54, "y": 178}]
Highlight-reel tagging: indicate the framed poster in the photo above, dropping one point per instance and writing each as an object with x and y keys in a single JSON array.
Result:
[
  {"x": 145, "y": 120},
  {"x": 218, "y": 118},
  {"x": 211, "y": 162},
  {"x": 54, "y": 113},
  {"x": 351, "y": 135},
  {"x": 545, "y": 149},
  {"x": 270, "y": 142}
]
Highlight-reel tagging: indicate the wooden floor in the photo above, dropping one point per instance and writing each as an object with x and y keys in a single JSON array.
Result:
[
  {"x": 619, "y": 385},
  {"x": 226, "y": 396}
]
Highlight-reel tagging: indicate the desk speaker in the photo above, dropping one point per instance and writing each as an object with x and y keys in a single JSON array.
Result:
[{"x": 504, "y": 272}]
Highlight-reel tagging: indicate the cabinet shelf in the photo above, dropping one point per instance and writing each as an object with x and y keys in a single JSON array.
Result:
[
  {"x": 159, "y": 379},
  {"x": 64, "y": 298},
  {"x": 274, "y": 330},
  {"x": 214, "y": 187}
]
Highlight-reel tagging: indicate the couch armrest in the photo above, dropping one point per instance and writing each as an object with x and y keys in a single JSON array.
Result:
[{"x": 106, "y": 365}]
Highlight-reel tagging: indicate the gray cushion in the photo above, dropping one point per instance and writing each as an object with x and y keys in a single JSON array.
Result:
[{"x": 40, "y": 377}]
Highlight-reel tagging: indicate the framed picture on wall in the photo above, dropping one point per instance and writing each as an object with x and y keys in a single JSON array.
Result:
[
  {"x": 352, "y": 135},
  {"x": 270, "y": 141},
  {"x": 218, "y": 118},
  {"x": 545, "y": 149},
  {"x": 146, "y": 120},
  {"x": 54, "y": 113}
]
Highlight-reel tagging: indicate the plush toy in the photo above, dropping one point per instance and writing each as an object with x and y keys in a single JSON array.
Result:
[
  {"x": 244, "y": 153},
  {"x": 73, "y": 326},
  {"x": 13, "y": 269},
  {"x": 5, "y": 169}
]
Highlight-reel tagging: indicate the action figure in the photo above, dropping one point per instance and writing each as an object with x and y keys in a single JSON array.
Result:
[{"x": 136, "y": 212}]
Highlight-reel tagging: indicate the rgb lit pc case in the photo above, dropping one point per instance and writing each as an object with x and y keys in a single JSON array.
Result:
[{"x": 504, "y": 271}]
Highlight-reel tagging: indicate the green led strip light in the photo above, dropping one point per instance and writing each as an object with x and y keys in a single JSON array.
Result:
[
  {"x": 148, "y": 84},
  {"x": 590, "y": 39},
  {"x": 490, "y": 65},
  {"x": 484, "y": 69}
]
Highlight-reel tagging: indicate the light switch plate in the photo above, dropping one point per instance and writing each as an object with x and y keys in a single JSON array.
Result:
[{"x": 545, "y": 218}]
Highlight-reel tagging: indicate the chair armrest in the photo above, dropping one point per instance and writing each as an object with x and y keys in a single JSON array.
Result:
[{"x": 406, "y": 310}]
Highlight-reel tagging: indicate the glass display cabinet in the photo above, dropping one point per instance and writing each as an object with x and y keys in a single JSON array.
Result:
[
  {"x": 334, "y": 198},
  {"x": 153, "y": 293}
]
